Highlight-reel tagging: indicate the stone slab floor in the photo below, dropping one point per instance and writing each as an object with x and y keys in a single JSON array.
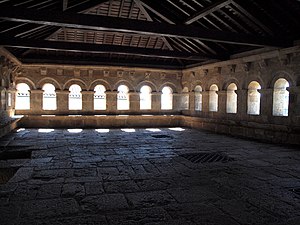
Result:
[{"x": 125, "y": 177}]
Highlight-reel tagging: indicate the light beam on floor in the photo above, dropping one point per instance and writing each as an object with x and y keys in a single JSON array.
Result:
[
  {"x": 74, "y": 130},
  {"x": 153, "y": 129},
  {"x": 128, "y": 130},
  {"x": 177, "y": 129},
  {"x": 102, "y": 130},
  {"x": 45, "y": 130}
]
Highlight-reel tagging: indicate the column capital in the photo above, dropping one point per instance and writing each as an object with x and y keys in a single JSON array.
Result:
[
  {"x": 265, "y": 91},
  {"x": 111, "y": 92},
  {"x": 38, "y": 91},
  {"x": 62, "y": 91},
  {"x": 294, "y": 89},
  {"x": 87, "y": 92},
  {"x": 222, "y": 92}
]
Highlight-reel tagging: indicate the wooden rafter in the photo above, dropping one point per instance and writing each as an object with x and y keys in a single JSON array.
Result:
[
  {"x": 81, "y": 21},
  {"x": 207, "y": 11},
  {"x": 96, "y": 48}
]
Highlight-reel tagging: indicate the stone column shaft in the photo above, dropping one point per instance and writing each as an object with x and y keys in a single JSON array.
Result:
[
  {"x": 87, "y": 101},
  {"x": 111, "y": 100},
  {"x": 62, "y": 101},
  {"x": 36, "y": 101},
  {"x": 134, "y": 101}
]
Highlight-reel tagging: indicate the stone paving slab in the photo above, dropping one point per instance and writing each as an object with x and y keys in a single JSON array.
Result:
[{"x": 113, "y": 178}]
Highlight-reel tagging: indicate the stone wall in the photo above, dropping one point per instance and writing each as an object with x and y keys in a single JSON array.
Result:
[
  {"x": 62, "y": 77},
  {"x": 263, "y": 67}
]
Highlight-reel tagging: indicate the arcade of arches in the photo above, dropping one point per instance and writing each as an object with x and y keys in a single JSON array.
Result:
[{"x": 256, "y": 96}]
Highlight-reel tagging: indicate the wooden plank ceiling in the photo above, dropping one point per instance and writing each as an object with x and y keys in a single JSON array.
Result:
[{"x": 144, "y": 33}]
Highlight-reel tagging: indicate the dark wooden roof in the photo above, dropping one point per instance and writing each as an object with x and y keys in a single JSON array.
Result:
[{"x": 147, "y": 33}]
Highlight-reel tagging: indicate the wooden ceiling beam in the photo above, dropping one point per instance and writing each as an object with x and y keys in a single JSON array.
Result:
[
  {"x": 207, "y": 11},
  {"x": 102, "y": 23},
  {"x": 7, "y": 41}
]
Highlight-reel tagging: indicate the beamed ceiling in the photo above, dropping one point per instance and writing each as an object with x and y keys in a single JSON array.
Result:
[{"x": 144, "y": 33}]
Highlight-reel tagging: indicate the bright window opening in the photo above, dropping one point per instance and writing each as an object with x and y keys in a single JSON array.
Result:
[
  {"x": 102, "y": 130},
  {"x": 22, "y": 96},
  {"x": 99, "y": 98},
  {"x": 74, "y": 130},
  {"x": 123, "y": 98},
  {"x": 253, "y": 98},
  {"x": 213, "y": 98},
  {"x": 198, "y": 98},
  {"x": 281, "y": 98},
  {"x": 128, "y": 130},
  {"x": 145, "y": 97},
  {"x": 231, "y": 100},
  {"x": 167, "y": 98},
  {"x": 75, "y": 97},
  {"x": 49, "y": 97}
]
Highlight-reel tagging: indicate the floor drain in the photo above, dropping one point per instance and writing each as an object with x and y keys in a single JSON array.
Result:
[
  {"x": 6, "y": 174},
  {"x": 161, "y": 136},
  {"x": 296, "y": 190},
  {"x": 206, "y": 157}
]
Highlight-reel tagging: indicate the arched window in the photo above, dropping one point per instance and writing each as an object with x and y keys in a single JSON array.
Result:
[
  {"x": 185, "y": 98},
  {"x": 253, "y": 98},
  {"x": 123, "y": 98},
  {"x": 49, "y": 97},
  {"x": 281, "y": 98},
  {"x": 198, "y": 98},
  {"x": 231, "y": 101},
  {"x": 99, "y": 98},
  {"x": 145, "y": 97},
  {"x": 167, "y": 98},
  {"x": 75, "y": 97},
  {"x": 22, "y": 96},
  {"x": 213, "y": 98}
]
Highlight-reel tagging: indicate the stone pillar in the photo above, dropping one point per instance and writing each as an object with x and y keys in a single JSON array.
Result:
[
  {"x": 294, "y": 101},
  {"x": 111, "y": 101},
  {"x": 36, "y": 101},
  {"x": 183, "y": 101},
  {"x": 156, "y": 101},
  {"x": 192, "y": 101},
  {"x": 134, "y": 101},
  {"x": 176, "y": 102},
  {"x": 3, "y": 98},
  {"x": 241, "y": 103},
  {"x": 62, "y": 101},
  {"x": 87, "y": 101},
  {"x": 205, "y": 101},
  {"x": 266, "y": 103},
  {"x": 11, "y": 99},
  {"x": 222, "y": 98}
]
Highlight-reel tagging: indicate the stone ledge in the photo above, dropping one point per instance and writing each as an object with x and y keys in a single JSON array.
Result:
[{"x": 9, "y": 127}]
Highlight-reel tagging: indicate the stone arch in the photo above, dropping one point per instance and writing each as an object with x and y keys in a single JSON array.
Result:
[
  {"x": 49, "y": 80},
  {"x": 250, "y": 79},
  {"x": 230, "y": 81},
  {"x": 80, "y": 82},
  {"x": 123, "y": 82},
  {"x": 148, "y": 83},
  {"x": 282, "y": 74},
  {"x": 206, "y": 87},
  {"x": 171, "y": 85},
  {"x": 27, "y": 81},
  {"x": 99, "y": 82},
  {"x": 197, "y": 83}
]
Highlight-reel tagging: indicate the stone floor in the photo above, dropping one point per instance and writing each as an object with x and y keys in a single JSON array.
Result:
[{"x": 125, "y": 177}]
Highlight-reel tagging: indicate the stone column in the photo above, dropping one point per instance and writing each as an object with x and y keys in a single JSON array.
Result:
[
  {"x": 241, "y": 103},
  {"x": 134, "y": 101},
  {"x": 205, "y": 101},
  {"x": 10, "y": 105},
  {"x": 176, "y": 102},
  {"x": 111, "y": 101},
  {"x": 266, "y": 103},
  {"x": 222, "y": 97},
  {"x": 294, "y": 101},
  {"x": 62, "y": 101},
  {"x": 3, "y": 98},
  {"x": 87, "y": 101},
  {"x": 156, "y": 101},
  {"x": 36, "y": 101},
  {"x": 192, "y": 101}
]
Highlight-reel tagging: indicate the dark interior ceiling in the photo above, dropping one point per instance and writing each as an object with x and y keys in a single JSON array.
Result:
[{"x": 144, "y": 33}]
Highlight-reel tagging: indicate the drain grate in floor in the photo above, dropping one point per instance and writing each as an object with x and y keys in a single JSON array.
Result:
[
  {"x": 161, "y": 136},
  {"x": 6, "y": 174},
  {"x": 207, "y": 157},
  {"x": 296, "y": 191}
]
